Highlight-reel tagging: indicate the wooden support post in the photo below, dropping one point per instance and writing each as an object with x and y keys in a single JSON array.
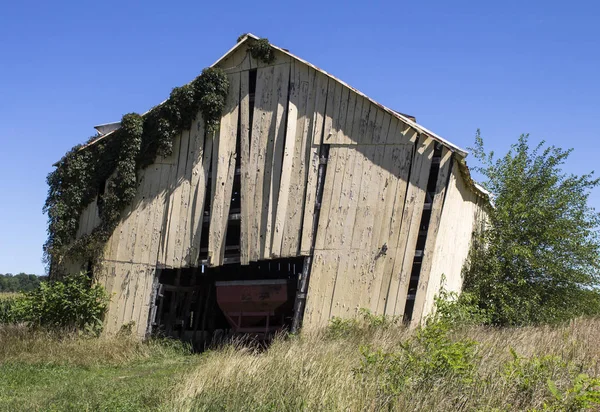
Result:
[
  {"x": 173, "y": 306},
  {"x": 153, "y": 307}
]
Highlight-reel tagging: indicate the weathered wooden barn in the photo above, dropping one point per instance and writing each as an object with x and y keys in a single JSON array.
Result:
[{"x": 312, "y": 200}]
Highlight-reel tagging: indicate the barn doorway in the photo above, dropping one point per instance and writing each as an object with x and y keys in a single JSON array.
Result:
[{"x": 204, "y": 305}]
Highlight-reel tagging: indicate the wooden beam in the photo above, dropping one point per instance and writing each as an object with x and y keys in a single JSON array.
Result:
[
  {"x": 409, "y": 229},
  {"x": 313, "y": 166},
  {"x": 274, "y": 158},
  {"x": 224, "y": 161},
  {"x": 432, "y": 232},
  {"x": 261, "y": 124}
]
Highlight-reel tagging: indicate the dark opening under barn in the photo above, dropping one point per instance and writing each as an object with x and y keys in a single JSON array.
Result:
[{"x": 201, "y": 305}]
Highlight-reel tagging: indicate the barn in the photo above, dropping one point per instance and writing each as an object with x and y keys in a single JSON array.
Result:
[{"x": 310, "y": 201}]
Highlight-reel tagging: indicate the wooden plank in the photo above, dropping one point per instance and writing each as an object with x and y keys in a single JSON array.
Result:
[
  {"x": 289, "y": 153},
  {"x": 175, "y": 245},
  {"x": 394, "y": 195},
  {"x": 166, "y": 233},
  {"x": 334, "y": 94},
  {"x": 145, "y": 303},
  {"x": 241, "y": 60},
  {"x": 333, "y": 225},
  {"x": 363, "y": 222},
  {"x": 461, "y": 217},
  {"x": 110, "y": 247},
  {"x": 119, "y": 235},
  {"x": 345, "y": 132},
  {"x": 382, "y": 204},
  {"x": 193, "y": 223},
  {"x": 95, "y": 214},
  {"x": 274, "y": 158},
  {"x": 245, "y": 172},
  {"x": 144, "y": 219},
  {"x": 382, "y": 212},
  {"x": 338, "y": 133},
  {"x": 196, "y": 141},
  {"x": 320, "y": 103},
  {"x": 261, "y": 123},
  {"x": 323, "y": 273},
  {"x": 347, "y": 294},
  {"x": 404, "y": 134},
  {"x": 134, "y": 217},
  {"x": 343, "y": 222},
  {"x": 409, "y": 229},
  {"x": 328, "y": 188},
  {"x": 367, "y": 125},
  {"x": 123, "y": 230},
  {"x": 313, "y": 297},
  {"x": 109, "y": 274},
  {"x": 353, "y": 199},
  {"x": 313, "y": 165},
  {"x": 134, "y": 297},
  {"x": 224, "y": 162},
  {"x": 140, "y": 297},
  {"x": 202, "y": 169},
  {"x": 395, "y": 133},
  {"x": 338, "y": 304},
  {"x": 367, "y": 280},
  {"x": 432, "y": 232},
  {"x": 159, "y": 210},
  {"x": 121, "y": 290},
  {"x": 327, "y": 285},
  {"x": 382, "y": 127},
  {"x": 360, "y": 107},
  {"x": 301, "y": 158}
]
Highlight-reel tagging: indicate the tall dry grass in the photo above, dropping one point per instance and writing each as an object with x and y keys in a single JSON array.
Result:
[{"x": 317, "y": 372}]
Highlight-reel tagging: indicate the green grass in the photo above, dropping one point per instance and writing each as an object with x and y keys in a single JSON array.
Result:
[
  {"x": 41, "y": 371},
  {"x": 349, "y": 367},
  {"x": 133, "y": 387}
]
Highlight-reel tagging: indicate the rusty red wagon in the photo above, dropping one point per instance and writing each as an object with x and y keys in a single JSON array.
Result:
[{"x": 254, "y": 306}]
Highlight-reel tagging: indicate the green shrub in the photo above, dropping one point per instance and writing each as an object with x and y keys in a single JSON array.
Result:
[
  {"x": 429, "y": 355},
  {"x": 365, "y": 322},
  {"x": 583, "y": 394},
  {"x": 458, "y": 310},
  {"x": 528, "y": 375},
  {"x": 538, "y": 376},
  {"x": 70, "y": 303},
  {"x": 7, "y": 308}
]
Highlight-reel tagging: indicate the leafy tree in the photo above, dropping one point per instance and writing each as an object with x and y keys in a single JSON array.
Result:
[
  {"x": 21, "y": 282},
  {"x": 537, "y": 258}
]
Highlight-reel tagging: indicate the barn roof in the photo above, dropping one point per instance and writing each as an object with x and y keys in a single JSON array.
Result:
[{"x": 108, "y": 129}]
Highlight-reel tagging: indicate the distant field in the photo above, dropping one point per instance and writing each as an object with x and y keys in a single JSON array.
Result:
[
  {"x": 315, "y": 371},
  {"x": 8, "y": 295}
]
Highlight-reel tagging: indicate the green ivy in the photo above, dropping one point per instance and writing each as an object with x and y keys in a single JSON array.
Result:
[
  {"x": 262, "y": 50},
  {"x": 112, "y": 164}
]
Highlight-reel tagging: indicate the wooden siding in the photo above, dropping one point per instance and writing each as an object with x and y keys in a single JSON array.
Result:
[
  {"x": 463, "y": 212},
  {"x": 374, "y": 194}
]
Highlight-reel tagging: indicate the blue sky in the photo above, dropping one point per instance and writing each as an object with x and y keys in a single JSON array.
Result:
[{"x": 507, "y": 67}]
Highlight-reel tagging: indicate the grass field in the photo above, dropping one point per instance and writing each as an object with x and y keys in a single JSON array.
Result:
[
  {"x": 8, "y": 295},
  {"x": 316, "y": 371}
]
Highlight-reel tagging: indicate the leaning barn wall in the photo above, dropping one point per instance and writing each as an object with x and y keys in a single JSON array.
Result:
[
  {"x": 369, "y": 218},
  {"x": 463, "y": 213}
]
